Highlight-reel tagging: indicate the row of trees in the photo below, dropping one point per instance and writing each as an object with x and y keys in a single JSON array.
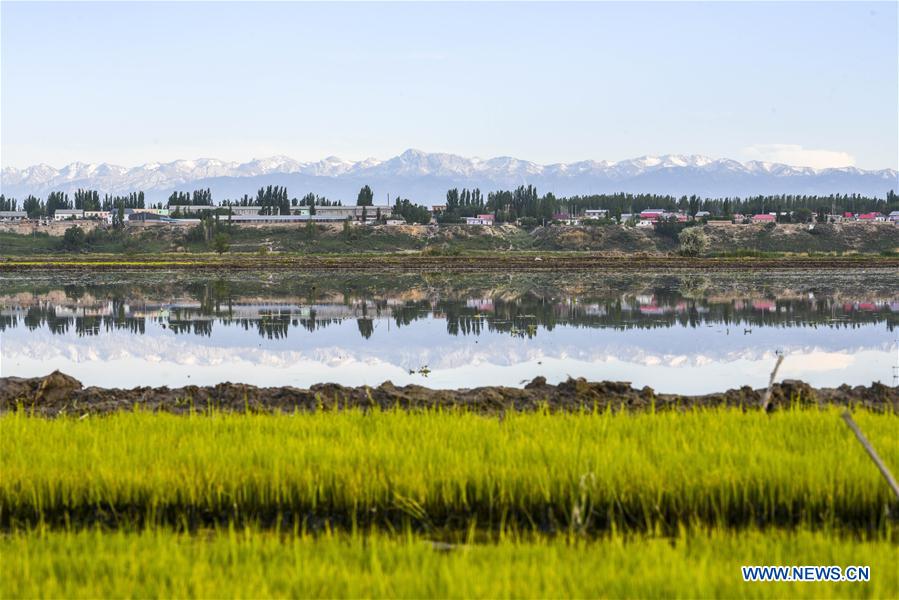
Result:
[
  {"x": 412, "y": 213},
  {"x": 197, "y": 198},
  {"x": 523, "y": 202},
  {"x": 83, "y": 200}
]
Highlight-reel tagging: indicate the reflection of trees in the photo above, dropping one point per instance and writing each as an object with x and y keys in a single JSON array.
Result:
[
  {"x": 197, "y": 327},
  {"x": 366, "y": 327},
  {"x": 10, "y": 321},
  {"x": 274, "y": 325},
  {"x": 520, "y": 315}
]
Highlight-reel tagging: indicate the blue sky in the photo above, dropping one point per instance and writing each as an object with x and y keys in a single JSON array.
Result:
[{"x": 129, "y": 83}]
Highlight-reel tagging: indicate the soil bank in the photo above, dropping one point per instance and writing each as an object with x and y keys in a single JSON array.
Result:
[{"x": 58, "y": 394}]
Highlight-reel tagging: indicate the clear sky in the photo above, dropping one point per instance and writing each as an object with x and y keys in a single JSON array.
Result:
[{"x": 809, "y": 83}]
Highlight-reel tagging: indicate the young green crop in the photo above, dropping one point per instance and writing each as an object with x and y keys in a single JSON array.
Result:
[
  {"x": 448, "y": 470},
  {"x": 257, "y": 564}
]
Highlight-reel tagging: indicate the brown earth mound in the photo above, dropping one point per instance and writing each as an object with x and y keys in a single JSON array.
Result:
[{"x": 58, "y": 394}]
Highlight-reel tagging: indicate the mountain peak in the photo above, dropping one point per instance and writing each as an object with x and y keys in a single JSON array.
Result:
[{"x": 425, "y": 176}]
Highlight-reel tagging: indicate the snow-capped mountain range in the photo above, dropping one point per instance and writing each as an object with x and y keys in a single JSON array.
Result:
[{"x": 425, "y": 177}]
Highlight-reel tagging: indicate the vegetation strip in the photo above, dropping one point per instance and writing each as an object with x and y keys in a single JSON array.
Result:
[
  {"x": 439, "y": 470},
  {"x": 531, "y": 261},
  {"x": 253, "y": 563}
]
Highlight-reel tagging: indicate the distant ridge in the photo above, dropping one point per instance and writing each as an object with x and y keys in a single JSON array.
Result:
[{"x": 425, "y": 177}]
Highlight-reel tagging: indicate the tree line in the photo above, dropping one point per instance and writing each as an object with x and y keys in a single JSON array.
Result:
[
  {"x": 82, "y": 200},
  {"x": 524, "y": 202}
]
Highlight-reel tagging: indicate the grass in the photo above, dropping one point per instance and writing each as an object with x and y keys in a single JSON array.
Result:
[
  {"x": 14, "y": 244},
  {"x": 448, "y": 471},
  {"x": 253, "y": 563}
]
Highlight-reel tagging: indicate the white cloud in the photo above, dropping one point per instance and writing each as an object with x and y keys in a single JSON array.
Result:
[{"x": 796, "y": 155}]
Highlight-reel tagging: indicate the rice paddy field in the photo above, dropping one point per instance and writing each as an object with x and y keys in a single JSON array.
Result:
[{"x": 443, "y": 504}]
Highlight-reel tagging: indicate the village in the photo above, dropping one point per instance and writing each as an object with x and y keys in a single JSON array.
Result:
[{"x": 190, "y": 215}]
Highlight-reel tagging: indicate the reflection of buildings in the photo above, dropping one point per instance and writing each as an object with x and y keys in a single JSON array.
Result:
[{"x": 522, "y": 316}]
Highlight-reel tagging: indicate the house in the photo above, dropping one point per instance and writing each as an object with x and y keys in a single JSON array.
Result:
[
  {"x": 653, "y": 214},
  {"x": 13, "y": 215},
  {"x": 438, "y": 209},
  {"x": 245, "y": 210},
  {"x": 480, "y": 220},
  {"x": 596, "y": 213},
  {"x": 237, "y": 219},
  {"x": 894, "y": 217},
  {"x": 702, "y": 214},
  {"x": 354, "y": 213},
  {"x": 763, "y": 218},
  {"x": 565, "y": 218},
  {"x": 395, "y": 222},
  {"x": 99, "y": 215},
  {"x": 192, "y": 208},
  {"x": 848, "y": 216},
  {"x": 67, "y": 213},
  {"x": 871, "y": 217},
  {"x": 142, "y": 217}
]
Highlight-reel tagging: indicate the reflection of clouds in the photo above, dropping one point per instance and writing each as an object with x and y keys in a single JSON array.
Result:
[
  {"x": 418, "y": 345},
  {"x": 816, "y": 361}
]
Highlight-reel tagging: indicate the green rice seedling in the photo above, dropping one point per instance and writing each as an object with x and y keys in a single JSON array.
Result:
[
  {"x": 251, "y": 563},
  {"x": 445, "y": 470}
]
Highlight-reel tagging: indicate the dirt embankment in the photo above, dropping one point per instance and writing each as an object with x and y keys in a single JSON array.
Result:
[
  {"x": 728, "y": 238},
  {"x": 58, "y": 395}
]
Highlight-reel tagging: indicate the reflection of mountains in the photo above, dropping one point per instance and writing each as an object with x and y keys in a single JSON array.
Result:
[{"x": 522, "y": 317}]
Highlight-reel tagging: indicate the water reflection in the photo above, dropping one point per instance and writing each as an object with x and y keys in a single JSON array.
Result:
[
  {"x": 469, "y": 329},
  {"x": 525, "y": 316}
]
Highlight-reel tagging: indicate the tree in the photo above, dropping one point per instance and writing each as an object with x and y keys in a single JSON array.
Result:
[
  {"x": 73, "y": 238},
  {"x": 693, "y": 241},
  {"x": 8, "y": 203},
  {"x": 802, "y": 215},
  {"x": 346, "y": 229},
  {"x": 412, "y": 213},
  {"x": 366, "y": 197},
  {"x": 34, "y": 207},
  {"x": 221, "y": 243}
]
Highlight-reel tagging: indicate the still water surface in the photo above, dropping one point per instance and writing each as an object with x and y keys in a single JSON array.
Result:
[{"x": 678, "y": 332}]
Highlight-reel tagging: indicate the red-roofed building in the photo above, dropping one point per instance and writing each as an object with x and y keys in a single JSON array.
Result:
[
  {"x": 871, "y": 216},
  {"x": 763, "y": 218},
  {"x": 652, "y": 214}
]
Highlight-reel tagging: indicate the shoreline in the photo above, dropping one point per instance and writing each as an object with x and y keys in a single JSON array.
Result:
[
  {"x": 59, "y": 395},
  {"x": 489, "y": 261}
]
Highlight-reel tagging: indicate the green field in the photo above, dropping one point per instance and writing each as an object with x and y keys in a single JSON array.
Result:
[
  {"x": 404, "y": 503},
  {"x": 252, "y": 564},
  {"x": 450, "y": 469}
]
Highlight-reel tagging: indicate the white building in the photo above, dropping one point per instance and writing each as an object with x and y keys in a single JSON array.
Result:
[
  {"x": 68, "y": 213},
  {"x": 245, "y": 210},
  {"x": 480, "y": 220},
  {"x": 596, "y": 213},
  {"x": 354, "y": 213},
  {"x": 13, "y": 215},
  {"x": 100, "y": 215}
]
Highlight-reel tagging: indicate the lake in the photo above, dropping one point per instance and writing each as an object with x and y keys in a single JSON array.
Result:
[{"x": 680, "y": 332}]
